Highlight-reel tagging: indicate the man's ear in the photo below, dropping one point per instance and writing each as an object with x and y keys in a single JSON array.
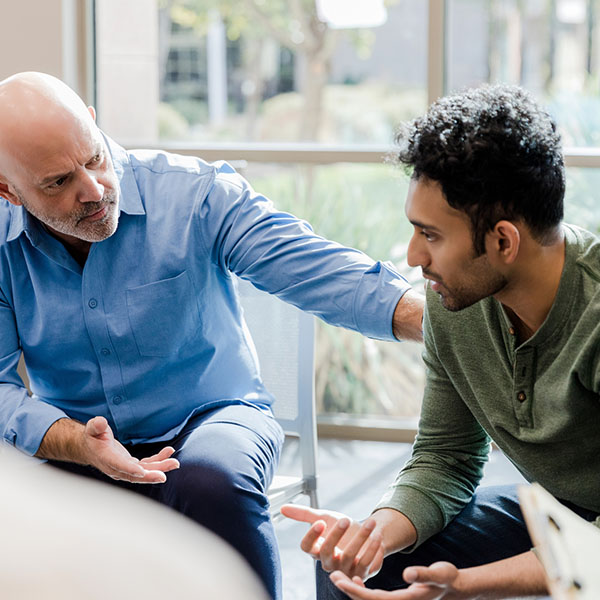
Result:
[
  {"x": 7, "y": 194},
  {"x": 503, "y": 242},
  {"x": 92, "y": 112}
]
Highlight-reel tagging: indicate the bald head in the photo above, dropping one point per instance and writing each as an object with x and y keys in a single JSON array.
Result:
[
  {"x": 54, "y": 160},
  {"x": 34, "y": 109}
]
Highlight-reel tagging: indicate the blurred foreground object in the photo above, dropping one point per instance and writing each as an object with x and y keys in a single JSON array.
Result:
[
  {"x": 66, "y": 537},
  {"x": 567, "y": 545}
]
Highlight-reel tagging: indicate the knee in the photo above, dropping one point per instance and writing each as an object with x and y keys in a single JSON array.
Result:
[
  {"x": 195, "y": 486},
  {"x": 217, "y": 490}
]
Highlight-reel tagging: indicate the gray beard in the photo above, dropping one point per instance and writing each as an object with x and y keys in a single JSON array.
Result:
[{"x": 74, "y": 225}]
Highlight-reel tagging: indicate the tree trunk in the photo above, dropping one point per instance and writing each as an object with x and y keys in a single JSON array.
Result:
[
  {"x": 253, "y": 85},
  {"x": 313, "y": 87}
]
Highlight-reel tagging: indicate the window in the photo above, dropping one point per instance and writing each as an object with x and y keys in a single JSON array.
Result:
[
  {"x": 267, "y": 75},
  {"x": 306, "y": 107},
  {"x": 550, "y": 48}
]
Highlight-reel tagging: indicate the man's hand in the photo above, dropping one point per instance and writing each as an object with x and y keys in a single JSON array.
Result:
[
  {"x": 407, "y": 323},
  {"x": 94, "y": 444},
  {"x": 109, "y": 456},
  {"x": 340, "y": 543},
  {"x": 440, "y": 580},
  {"x": 519, "y": 575}
]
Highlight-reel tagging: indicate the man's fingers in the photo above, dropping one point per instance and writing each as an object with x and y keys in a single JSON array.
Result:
[
  {"x": 369, "y": 555},
  {"x": 355, "y": 588},
  {"x": 164, "y": 465},
  {"x": 97, "y": 426},
  {"x": 328, "y": 551},
  {"x": 312, "y": 536},
  {"x": 137, "y": 476},
  {"x": 439, "y": 573},
  {"x": 151, "y": 477},
  {"x": 300, "y": 513},
  {"x": 165, "y": 453},
  {"x": 353, "y": 548}
]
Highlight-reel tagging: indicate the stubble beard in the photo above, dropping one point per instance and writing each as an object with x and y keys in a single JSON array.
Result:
[
  {"x": 76, "y": 224},
  {"x": 460, "y": 298},
  {"x": 481, "y": 282}
]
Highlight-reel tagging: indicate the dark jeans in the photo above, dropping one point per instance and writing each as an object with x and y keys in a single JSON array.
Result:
[
  {"x": 227, "y": 459},
  {"x": 491, "y": 527}
]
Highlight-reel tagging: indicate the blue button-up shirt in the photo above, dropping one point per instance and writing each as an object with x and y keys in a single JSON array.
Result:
[{"x": 149, "y": 331}]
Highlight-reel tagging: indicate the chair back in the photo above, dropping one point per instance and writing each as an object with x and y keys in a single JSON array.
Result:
[{"x": 284, "y": 338}]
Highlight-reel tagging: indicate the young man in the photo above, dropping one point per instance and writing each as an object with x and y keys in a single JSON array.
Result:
[
  {"x": 512, "y": 335},
  {"x": 116, "y": 286}
]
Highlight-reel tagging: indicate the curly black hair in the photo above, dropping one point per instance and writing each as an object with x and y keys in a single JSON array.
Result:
[{"x": 496, "y": 154}]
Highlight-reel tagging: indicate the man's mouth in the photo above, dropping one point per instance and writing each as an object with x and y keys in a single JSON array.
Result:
[
  {"x": 434, "y": 284},
  {"x": 96, "y": 216}
]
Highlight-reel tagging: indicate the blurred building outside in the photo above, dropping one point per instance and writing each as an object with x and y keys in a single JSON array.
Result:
[{"x": 202, "y": 73}]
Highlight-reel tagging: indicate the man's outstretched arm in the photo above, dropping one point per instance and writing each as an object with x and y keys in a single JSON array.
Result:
[
  {"x": 94, "y": 444},
  {"x": 408, "y": 317}
]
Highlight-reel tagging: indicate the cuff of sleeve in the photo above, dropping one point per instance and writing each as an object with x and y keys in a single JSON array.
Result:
[
  {"x": 27, "y": 430},
  {"x": 418, "y": 508},
  {"x": 375, "y": 300}
]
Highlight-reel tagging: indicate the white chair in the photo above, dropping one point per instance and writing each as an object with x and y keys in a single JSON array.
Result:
[
  {"x": 68, "y": 538},
  {"x": 284, "y": 339}
]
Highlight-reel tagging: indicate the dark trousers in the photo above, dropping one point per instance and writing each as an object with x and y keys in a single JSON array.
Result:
[
  {"x": 490, "y": 528},
  {"x": 227, "y": 459}
]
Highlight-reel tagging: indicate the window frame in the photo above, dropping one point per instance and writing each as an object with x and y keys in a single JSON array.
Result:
[{"x": 349, "y": 426}]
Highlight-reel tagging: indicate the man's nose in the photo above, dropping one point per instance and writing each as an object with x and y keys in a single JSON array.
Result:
[
  {"x": 93, "y": 190},
  {"x": 416, "y": 256}
]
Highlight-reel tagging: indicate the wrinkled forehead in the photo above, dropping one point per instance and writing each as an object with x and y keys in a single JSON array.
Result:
[
  {"x": 40, "y": 117},
  {"x": 36, "y": 146}
]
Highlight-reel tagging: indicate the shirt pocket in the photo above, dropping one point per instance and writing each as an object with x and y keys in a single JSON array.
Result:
[{"x": 163, "y": 315}]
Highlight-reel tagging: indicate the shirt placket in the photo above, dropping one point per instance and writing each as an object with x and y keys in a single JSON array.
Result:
[
  {"x": 97, "y": 326},
  {"x": 522, "y": 392}
]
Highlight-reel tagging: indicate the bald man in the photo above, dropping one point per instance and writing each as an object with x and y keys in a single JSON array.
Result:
[{"x": 115, "y": 285}]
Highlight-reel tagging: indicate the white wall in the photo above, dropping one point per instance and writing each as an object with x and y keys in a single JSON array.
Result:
[
  {"x": 54, "y": 36},
  {"x": 48, "y": 36},
  {"x": 127, "y": 69}
]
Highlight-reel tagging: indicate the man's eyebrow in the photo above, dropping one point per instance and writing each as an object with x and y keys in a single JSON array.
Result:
[
  {"x": 52, "y": 178},
  {"x": 97, "y": 150},
  {"x": 424, "y": 226}
]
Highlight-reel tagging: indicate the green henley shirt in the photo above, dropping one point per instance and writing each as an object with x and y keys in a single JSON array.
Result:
[{"x": 538, "y": 400}]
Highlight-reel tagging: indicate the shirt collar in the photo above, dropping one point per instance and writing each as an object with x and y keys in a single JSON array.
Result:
[
  {"x": 130, "y": 201},
  {"x": 20, "y": 221}
]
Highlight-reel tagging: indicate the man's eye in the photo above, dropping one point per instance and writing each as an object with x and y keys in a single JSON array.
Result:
[
  {"x": 58, "y": 183},
  {"x": 96, "y": 159},
  {"x": 428, "y": 236}
]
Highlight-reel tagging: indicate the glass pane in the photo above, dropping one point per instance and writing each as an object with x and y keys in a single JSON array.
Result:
[
  {"x": 551, "y": 47},
  {"x": 581, "y": 201},
  {"x": 235, "y": 71},
  {"x": 361, "y": 206}
]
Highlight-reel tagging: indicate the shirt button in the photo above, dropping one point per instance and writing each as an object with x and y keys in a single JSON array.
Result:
[
  {"x": 105, "y": 351},
  {"x": 117, "y": 399},
  {"x": 511, "y": 331},
  {"x": 521, "y": 397},
  {"x": 93, "y": 303}
]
